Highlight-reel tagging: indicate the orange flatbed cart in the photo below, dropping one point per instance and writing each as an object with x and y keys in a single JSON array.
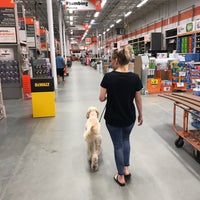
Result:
[{"x": 188, "y": 103}]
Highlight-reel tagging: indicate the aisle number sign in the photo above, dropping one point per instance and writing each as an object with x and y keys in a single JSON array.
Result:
[
  {"x": 83, "y": 5},
  {"x": 154, "y": 81}
]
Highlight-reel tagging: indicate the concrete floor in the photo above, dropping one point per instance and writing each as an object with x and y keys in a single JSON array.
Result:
[{"x": 46, "y": 159}]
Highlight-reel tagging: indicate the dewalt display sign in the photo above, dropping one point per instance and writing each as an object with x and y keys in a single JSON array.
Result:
[{"x": 42, "y": 85}]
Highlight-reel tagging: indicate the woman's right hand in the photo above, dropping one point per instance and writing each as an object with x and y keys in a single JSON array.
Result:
[{"x": 140, "y": 120}]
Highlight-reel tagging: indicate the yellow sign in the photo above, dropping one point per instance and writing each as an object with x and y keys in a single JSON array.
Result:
[
  {"x": 42, "y": 84},
  {"x": 154, "y": 81}
]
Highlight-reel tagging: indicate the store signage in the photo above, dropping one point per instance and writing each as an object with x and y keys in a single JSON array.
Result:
[
  {"x": 186, "y": 28},
  {"x": 154, "y": 81},
  {"x": 7, "y": 23},
  {"x": 30, "y": 41},
  {"x": 42, "y": 84},
  {"x": 181, "y": 29},
  {"x": 7, "y": 35},
  {"x": 124, "y": 42},
  {"x": 21, "y": 22},
  {"x": 30, "y": 31},
  {"x": 7, "y": 3},
  {"x": 94, "y": 39},
  {"x": 180, "y": 84},
  {"x": 80, "y": 27},
  {"x": 147, "y": 38},
  {"x": 197, "y": 25},
  {"x": 6, "y": 53},
  {"x": 43, "y": 39},
  {"x": 37, "y": 28},
  {"x": 83, "y": 5},
  {"x": 190, "y": 27},
  {"x": 88, "y": 40},
  {"x": 7, "y": 17}
]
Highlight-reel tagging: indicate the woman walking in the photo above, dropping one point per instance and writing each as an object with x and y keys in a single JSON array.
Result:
[{"x": 120, "y": 88}]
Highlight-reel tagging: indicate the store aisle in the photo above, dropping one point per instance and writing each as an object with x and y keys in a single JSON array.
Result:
[{"x": 46, "y": 159}]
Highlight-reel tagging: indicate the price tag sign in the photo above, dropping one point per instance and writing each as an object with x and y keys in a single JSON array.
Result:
[
  {"x": 182, "y": 73},
  {"x": 154, "y": 81},
  {"x": 181, "y": 84}
]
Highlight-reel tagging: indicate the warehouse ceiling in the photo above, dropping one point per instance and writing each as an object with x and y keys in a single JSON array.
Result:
[{"x": 113, "y": 10}]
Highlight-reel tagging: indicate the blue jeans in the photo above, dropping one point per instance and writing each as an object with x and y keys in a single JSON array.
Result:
[{"x": 121, "y": 143}]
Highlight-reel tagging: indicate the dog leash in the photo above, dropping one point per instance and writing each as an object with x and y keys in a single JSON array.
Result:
[{"x": 102, "y": 113}]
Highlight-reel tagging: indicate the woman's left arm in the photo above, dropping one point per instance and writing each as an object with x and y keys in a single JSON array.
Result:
[{"x": 103, "y": 93}]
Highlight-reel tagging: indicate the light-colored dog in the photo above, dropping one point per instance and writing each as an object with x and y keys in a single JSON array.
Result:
[{"x": 93, "y": 137}]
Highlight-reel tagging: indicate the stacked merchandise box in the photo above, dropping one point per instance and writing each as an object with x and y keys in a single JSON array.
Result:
[
  {"x": 153, "y": 85},
  {"x": 166, "y": 80},
  {"x": 195, "y": 57},
  {"x": 197, "y": 87},
  {"x": 179, "y": 45},
  {"x": 186, "y": 44},
  {"x": 192, "y": 74},
  {"x": 190, "y": 44}
]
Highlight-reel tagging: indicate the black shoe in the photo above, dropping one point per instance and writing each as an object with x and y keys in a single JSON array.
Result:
[
  {"x": 117, "y": 181},
  {"x": 127, "y": 177}
]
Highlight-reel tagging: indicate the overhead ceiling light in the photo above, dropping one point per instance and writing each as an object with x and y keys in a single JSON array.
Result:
[
  {"x": 71, "y": 18},
  {"x": 96, "y": 14},
  {"x": 112, "y": 25},
  {"x": 92, "y": 21},
  {"x": 70, "y": 11},
  {"x": 141, "y": 3},
  {"x": 103, "y": 3},
  {"x": 71, "y": 23},
  {"x": 107, "y": 29},
  {"x": 127, "y": 14},
  {"x": 119, "y": 20}
]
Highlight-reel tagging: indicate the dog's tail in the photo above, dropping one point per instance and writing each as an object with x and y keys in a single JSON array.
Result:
[
  {"x": 91, "y": 131},
  {"x": 89, "y": 134}
]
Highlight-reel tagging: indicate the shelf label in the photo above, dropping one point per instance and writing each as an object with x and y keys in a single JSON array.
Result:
[
  {"x": 182, "y": 73},
  {"x": 181, "y": 84}
]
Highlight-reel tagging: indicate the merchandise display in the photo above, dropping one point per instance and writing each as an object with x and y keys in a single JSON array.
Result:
[
  {"x": 178, "y": 76},
  {"x": 55, "y": 58},
  {"x": 41, "y": 68},
  {"x": 9, "y": 73},
  {"x": 198, "y": 43}
]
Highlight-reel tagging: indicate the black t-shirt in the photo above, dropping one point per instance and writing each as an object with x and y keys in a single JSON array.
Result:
[{"x": 121, "y": 89}]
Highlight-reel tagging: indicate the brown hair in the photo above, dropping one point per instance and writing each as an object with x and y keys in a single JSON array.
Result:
[{"x": 124, "y": 55}]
